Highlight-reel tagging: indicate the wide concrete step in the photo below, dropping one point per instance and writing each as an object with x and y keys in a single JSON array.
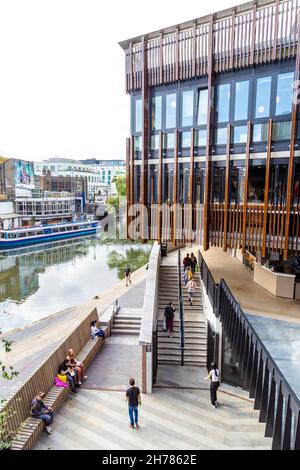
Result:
[
  {"x": 128, "y": 317},
  {"x": 188, "y": 341},
  {"x": 121, "y": 331},
  {"x": 169, "y": 360},
  {"x": 197, "y": 348},
  {"x": 189, "y": 355},
  {"x": 127, "y": 322},
  {"x": 187, "y": 329},
  {"x": 197, "y": 335},
  {"x": 186, "y": 323},
  {"x": 127, "y": 326}
]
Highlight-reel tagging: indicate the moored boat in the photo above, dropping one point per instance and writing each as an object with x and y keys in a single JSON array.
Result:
[{"x": 18, "y": 237}]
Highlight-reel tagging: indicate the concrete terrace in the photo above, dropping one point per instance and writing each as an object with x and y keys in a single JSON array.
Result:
[
  {"x": 253, "y": 298},
  {"x": 169, "y": 418}
]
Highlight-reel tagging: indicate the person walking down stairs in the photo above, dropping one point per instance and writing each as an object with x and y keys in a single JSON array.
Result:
[
  {"x": 191, "y": 287},
  {"x": 214, "y": 376},
  {"x": 169, "y": 315}
]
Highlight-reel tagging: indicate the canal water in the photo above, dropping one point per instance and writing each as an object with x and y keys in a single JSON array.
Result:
[{"x": 41, "y": 280}]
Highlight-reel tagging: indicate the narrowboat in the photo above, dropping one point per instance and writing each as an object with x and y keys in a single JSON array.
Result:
[{"x": 19, "y": 237}]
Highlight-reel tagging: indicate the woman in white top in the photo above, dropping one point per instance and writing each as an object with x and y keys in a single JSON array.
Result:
[
  {"x": 214, "y": 376},
  {"x": 191, "y": 287}
]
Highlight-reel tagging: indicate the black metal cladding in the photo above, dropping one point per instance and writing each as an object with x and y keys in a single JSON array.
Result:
[{"x": 278, "y": 404}]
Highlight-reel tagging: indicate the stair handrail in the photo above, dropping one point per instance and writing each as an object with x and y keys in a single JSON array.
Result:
[{"x": 181, "y": 310}]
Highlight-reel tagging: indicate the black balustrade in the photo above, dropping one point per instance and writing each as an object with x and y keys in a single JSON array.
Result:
[{"x": 278, "y": 405}]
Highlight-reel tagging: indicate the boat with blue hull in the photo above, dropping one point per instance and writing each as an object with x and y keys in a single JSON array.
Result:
[{"x": 20, "y": 237}]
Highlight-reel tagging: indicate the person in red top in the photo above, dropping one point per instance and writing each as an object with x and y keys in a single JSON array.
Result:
[{"x": 187, "y": 262}]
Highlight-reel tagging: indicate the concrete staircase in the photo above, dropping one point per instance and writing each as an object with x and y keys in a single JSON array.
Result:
[
  {"x": 127, "y": 322},
  {"x": 194, "y": 325}
]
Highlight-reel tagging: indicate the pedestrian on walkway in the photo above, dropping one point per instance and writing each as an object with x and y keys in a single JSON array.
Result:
[
  {"x": 186, "y": 261},
  {"x": 133, "y": 397},
  {"x": 127, "y": 275},
  {"x": 41, "y": 411},
  {"x": 214, "y": 376},
  {"x": 187, "y": 275},
  {"x": 169, "y": 315},
  {"x": 191, "y": 287},
  {"x": 193, "y": 263}
]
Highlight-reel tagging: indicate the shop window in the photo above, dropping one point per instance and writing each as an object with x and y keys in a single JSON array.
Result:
[
  {"x": 218, "y": 186},
  {"x": 256, "y": 184}
]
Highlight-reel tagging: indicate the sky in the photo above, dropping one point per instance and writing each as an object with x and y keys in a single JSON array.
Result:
[{"x": 62, "y": 72}]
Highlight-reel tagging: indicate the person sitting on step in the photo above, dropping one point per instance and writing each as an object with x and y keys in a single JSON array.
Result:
[
  {"x": 41, "y": 411},
  {"x": 77, "y": 366},
  {"x": 96, "y": 332}
]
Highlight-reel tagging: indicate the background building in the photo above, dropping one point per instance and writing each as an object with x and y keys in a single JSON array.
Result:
[{"x": 213, "y": 123}]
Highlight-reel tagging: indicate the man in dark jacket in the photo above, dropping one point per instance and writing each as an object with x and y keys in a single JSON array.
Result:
[
  {"x": 41, "y": 411},
  {"x": 169, "y": 314}
]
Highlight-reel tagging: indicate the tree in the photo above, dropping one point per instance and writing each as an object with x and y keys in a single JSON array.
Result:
[
  {"x": 113, "y": 201},
  {"x": 6, "y": 413}
]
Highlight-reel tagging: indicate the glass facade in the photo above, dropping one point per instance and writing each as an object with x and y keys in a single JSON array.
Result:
[
  {"x": 241, "y": 100},
  {"x": 223, "y": 102},
  {"x": 260, "y": 132},
  {"x": 200, "y": 138},
  {"x": 221, "y": 136},
  {"x": 138, "y": 115},
  {"x": 240, "y": 134},
  {"x": 171, "y": 107},
  {"x": 263, "y": 97},
  {"x": 169, "y": 140},
  {"x": 187, "y": 115},
  {"x": 284, "y": 95},
  {"x": 154, "y": 142},
  {"x": 202, "y": 107},
  {"x": 281, "y": 130},
  {"x": 156, "y": 112},
  {"x": 185, "y": 139}
]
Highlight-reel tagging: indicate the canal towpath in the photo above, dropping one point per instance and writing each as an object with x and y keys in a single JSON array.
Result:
[{"x": 34, "y": 343}]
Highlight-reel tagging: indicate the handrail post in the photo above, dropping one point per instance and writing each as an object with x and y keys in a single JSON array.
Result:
[{"x": 181, "y": 311}]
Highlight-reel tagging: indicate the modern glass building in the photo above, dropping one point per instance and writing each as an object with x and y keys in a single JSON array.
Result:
[{"x": 214, "y": 124}]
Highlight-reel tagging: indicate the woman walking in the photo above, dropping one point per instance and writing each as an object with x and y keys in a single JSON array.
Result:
[
  {"x": 191, "y": 287},
  {"x": 193, "y": 263},
  {"x": 214, "y": 376}
]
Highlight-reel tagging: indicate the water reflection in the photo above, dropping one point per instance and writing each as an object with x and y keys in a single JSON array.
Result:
[{"x": 37, "y": 281}]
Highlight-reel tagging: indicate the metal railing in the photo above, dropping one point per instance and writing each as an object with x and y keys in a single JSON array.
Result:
[
  {"x": 278, "y": 404},
  {"x": 181, "y": 310}
]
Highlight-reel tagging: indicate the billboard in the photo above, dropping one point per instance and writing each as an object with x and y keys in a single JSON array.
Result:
[{"x": 24, "y": 174}]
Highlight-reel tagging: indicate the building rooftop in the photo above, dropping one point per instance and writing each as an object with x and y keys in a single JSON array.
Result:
[{"x": 240, "y": 8}]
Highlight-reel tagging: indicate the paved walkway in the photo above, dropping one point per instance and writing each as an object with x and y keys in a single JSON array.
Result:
[
  {"x": 45, "y": 335},
  {"x": 170, "y": 419}
]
